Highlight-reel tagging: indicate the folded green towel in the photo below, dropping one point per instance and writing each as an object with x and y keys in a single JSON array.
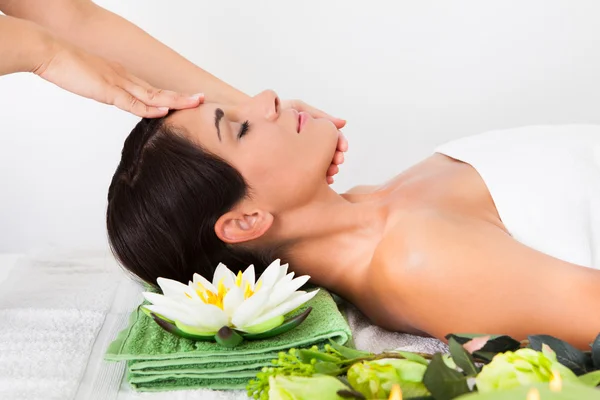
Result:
[{"x": 158, "y": 360}]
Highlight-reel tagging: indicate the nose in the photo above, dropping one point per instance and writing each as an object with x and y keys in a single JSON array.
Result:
[{"x": 268, "y": 104}]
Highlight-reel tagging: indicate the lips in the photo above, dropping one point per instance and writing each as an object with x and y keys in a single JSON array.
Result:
[{"x": 302, "y": 119}]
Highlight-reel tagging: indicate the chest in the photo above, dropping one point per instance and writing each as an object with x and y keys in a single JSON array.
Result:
[{"x": 441, "y": 185}]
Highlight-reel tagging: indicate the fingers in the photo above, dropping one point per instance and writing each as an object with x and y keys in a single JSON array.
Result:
[
  {"x": 332, "y": 170},
  {"x": 154, "y": 97},
  {"x": 127, "y": 102},
  {"x": 338, "y": 122},
  {"x": 338, "y": 158}
]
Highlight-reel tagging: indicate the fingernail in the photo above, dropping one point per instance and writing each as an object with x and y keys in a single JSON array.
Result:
[
  {"x": 197, "y": 96},
  {"x": 163, "y": 109}
]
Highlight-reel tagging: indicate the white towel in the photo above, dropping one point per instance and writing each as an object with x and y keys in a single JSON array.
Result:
[
  {"x": 375, "y": 339},
  {"x": 545, "y": 183},
  {"x": 51, "y": 309}
]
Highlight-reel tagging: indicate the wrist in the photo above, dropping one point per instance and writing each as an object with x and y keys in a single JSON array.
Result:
[
  {"x": 237, "y": 97},
  {"x": 43, "y": 48},
  {"x": 220, "y": 92}
]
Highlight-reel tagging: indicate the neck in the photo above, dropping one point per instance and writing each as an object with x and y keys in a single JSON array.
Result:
[{"x": 333, "y": 239}]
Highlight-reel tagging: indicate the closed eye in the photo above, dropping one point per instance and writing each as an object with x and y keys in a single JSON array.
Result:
[{"x": 243, "y": 129}]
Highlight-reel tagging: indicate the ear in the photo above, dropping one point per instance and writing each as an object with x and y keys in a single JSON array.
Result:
[{"x": 237, "y": 226}]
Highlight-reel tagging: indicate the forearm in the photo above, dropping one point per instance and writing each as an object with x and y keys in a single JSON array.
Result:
[
  {"x": 23, "y": 45},
  {"x": 101, "y": 32}
]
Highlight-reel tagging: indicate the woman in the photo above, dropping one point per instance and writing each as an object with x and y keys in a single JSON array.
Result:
[{"x": 475, "y": 238}]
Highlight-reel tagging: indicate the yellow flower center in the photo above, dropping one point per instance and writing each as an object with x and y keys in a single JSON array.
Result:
[
  {"x": 248, "y": 292},
  {"x": 216, "y": 299},
  {"x": 556, "y": 381}
]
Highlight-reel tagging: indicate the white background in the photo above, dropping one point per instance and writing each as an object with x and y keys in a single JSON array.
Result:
[{"x": 407, "y": 75}]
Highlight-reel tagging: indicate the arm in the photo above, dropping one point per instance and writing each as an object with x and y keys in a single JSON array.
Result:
[
  {"x": 27, "y": 48},
  {"x": 484, "y": 281},
  {"x": 33, "y": 49},
  {"x": 105, "y": 34}
]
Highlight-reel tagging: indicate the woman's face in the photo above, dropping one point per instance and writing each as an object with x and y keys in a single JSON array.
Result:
[{"x": 282, "y": 154}]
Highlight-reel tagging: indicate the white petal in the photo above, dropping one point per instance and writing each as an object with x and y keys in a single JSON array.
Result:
[
  {"x": 250, "y": 308},
  {"x": 232, "y": 300},
  {"x": 174, "y": 314},
  {"x": 190, "y": 312},
  {"x": 153, "y": 298},
  {"x": 192, "y": 291},
  {"x": 285, "y": 279},
  {"x": 222, "y": 272},
  {"x": 159, "y": 299},
  {"x": 168, "y": 302},
  {"x": 270, "y": 276},
  {"x": 283, "y": 271},
  {"x": 248, "y": 276},
  {"x": 209, "y": 316},
  {"x": 172, "y": 288},
  {"x": 204, "y": 282},
  {"x": 282, "y": 292},
  {"x": 295, "y": 301}
]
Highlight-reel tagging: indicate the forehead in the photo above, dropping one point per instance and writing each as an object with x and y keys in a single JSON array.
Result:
[{"x": 198, "y": 124}]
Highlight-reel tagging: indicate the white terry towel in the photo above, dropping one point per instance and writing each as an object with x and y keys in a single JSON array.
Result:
[{"x": 51, "y": 309}]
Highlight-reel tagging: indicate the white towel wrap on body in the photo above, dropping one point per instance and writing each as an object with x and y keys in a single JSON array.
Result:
[{"x": 545, "y": 182}]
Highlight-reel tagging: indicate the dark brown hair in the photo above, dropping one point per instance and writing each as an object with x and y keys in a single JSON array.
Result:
[{"x": 163, "y": 202}]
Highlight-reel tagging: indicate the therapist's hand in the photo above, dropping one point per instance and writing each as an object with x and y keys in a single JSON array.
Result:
[
  {"x": 342, "y": 146},
  {"x": 93, "y": 77}
]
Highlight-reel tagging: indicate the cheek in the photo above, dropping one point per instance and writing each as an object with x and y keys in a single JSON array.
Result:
[
  {"x": 284, "y": 170},
  {"x": 281, "y": 179}
]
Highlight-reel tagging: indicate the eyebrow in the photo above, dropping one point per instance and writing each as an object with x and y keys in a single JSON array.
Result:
[{"x": 218, "y": 115}]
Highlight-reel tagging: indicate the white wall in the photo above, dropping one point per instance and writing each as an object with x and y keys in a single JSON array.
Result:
[{"x": 407, "y": 75}]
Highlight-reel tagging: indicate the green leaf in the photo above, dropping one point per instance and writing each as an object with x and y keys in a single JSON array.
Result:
[
  {"x": 306, "y": 355},
  {"x": 462, "y": 358},
  {"x": 444, "y": 383},
  {"x": 596, "y": 352},
  {"x": 496, "y": 344},
  {"x": 286, "y": 326},
  {"x": 148, "y": 313},
  {"x": 347, "y": 352},
  {"x": 266, "y": 325},
  {"x": 566, "y": 354},
  {"x": 591, "y": 378},
  {"x": 171, "y": 328},
  {"x": 327, "y": 368},
  {"x": 413, "y": 357},
  {"x": 412, "y": 390}
]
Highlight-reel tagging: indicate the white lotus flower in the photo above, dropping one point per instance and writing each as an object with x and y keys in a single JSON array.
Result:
[{"x": 238, "y": 302}]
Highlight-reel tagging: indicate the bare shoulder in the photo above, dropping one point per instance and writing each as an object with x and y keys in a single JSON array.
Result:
[
  {"x": 400, "y": 264},
  {"x": 362, "y": 189},
  {"x": 451, "y": 274}
]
